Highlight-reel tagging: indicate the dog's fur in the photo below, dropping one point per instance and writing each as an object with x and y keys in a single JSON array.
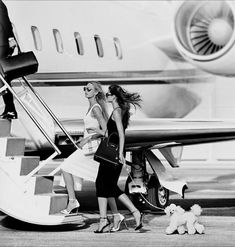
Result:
[{"x": 183, "y": 221}]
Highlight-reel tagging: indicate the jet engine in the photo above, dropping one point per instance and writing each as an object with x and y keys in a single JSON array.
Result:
[{"x": 204, "y": 35}]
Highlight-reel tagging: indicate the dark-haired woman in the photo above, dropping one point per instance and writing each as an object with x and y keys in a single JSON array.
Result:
[{"x": 108, "y": 175}]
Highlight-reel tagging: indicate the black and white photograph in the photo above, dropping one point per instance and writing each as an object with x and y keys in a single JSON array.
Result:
[{"x": 117, "y": 123}]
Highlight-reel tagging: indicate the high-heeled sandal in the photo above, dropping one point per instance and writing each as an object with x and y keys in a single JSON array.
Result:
[
  {"x": 121, "y": 219},
  {"x": 108, "y": 223},
  {"x": 72, "y": 207},
  {"x": 140, "y": 222}
]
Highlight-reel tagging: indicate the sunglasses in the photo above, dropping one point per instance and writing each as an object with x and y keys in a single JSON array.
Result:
[
  {"x": 108, "y": 94},
  {"x": 87, "y": 89}
]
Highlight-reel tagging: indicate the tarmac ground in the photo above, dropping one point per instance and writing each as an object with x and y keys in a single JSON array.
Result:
[{"x": 212, "y": 188}]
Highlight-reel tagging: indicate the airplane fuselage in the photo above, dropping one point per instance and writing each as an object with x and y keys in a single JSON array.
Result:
[
  {"x": 113, "y": 42},
  {"x": 76, "y": 41}
]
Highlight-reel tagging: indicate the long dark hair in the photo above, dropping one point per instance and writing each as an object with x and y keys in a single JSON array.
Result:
[{"x": 125, "y": 99}]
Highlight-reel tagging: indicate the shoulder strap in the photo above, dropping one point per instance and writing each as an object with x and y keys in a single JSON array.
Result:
[
  {"x": 114, "y": 110},
  {"x": 96, "y": 105}
]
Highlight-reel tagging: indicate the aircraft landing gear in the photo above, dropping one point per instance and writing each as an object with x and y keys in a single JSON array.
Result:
[
  {"x": 157, "y": 195},
  {"x": 155, "y": 198},
  {"x": 144, "y": 189}
]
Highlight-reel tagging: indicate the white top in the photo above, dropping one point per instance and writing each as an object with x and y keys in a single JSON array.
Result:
[{"x": 90, "y": 121}]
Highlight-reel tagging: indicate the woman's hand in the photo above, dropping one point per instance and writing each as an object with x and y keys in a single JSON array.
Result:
[
  {"x": 98, "y": 132},
  {"x": 82, "y": 141},
  {"x": 91, "y": 130},
  {"x": 12, "y": 43},
  {"x": 122, "y": 159},
  {"x": 78, "y": 140}
]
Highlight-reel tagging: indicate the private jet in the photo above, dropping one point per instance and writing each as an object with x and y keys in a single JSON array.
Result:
[{"x": 114, "y": 42}]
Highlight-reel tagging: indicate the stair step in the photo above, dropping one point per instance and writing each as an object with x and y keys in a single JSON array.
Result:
[
  {"x": 29, "y": 163},
  {"x": 51, "y": 203},
  {"x": 5, "y": 127},
  {"x": 19, "y": 165},
  {"x": 12, "y": 146},
  {"x": 40, "y": 185},
  {"x": 58, "y": 203}
]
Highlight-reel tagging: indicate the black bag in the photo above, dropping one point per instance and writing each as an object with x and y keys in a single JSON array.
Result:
[
  {"x": 22, "y": 64},
  {"x": 107, "y": 152}
]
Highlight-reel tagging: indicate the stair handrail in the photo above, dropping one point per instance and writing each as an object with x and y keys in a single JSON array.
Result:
[
  {"x": 50, "y": 112},
  {"x": 31, "y": 115},
  {"x": 57, "y": 151}
]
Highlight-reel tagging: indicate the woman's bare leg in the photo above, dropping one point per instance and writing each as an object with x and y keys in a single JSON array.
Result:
[
  {"x": 128, "y": 203},
  {"x": 102, "y": 202},
  {"x": 113, "y": 205},
  {"x": 68, "y": 179},
  {"x": 73, "y": 203}
]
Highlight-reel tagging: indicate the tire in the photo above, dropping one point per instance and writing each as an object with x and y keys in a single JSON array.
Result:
[{"x": 157, "y": 195}]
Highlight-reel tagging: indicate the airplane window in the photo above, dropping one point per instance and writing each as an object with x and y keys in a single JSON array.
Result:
[
  {"x": 36, "y": 38},
  {"x": 58, "y": 41},
  {"x": 118, "y": 47},
  {"x": 79, "y": 44},
  {"x": 99, "y": 46}
]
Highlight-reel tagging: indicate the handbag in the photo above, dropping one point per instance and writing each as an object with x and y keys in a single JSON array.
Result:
[
  {"x": 19, "y": 65},
  {"x": 107, "y": 151}
]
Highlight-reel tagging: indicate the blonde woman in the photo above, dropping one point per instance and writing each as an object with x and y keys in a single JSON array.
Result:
[{"x": 80, "y": 164}]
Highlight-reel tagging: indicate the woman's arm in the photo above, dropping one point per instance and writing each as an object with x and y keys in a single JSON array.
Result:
[
  {"x": 118, "y": 119},
  {"x": 96, "y": 111},
  {"x": 100, "y": 131},
  {"x": 82, "y": 141}
]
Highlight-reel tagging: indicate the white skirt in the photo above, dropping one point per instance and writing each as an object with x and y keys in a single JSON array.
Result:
[{"x": 81, "y": 164}]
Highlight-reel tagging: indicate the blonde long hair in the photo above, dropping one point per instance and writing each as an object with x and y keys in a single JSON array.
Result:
[{"x": 100, "y": 98}]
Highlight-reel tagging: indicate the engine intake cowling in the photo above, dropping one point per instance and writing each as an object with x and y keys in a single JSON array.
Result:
[{"x": 204, "y": 35}]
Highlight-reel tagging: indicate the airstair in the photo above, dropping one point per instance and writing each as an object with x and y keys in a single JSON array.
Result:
[{"x": 24, "y": 194}]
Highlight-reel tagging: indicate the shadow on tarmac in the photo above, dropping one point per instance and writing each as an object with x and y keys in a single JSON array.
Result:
[{"x": 12, "y": 223}]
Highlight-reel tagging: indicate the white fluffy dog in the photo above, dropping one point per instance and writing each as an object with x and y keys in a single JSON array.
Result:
[{"x": 183, "y": 221}]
